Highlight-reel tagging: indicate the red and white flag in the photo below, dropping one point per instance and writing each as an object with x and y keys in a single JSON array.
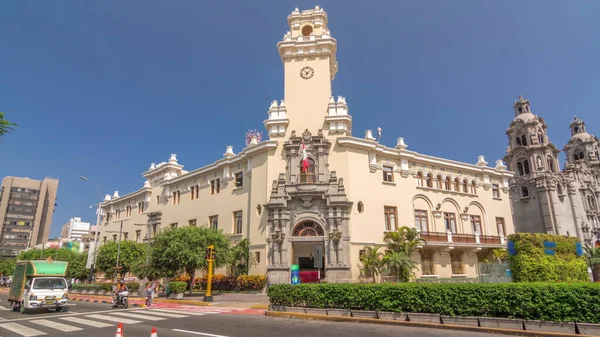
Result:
[{"x": 304, "y": 159}]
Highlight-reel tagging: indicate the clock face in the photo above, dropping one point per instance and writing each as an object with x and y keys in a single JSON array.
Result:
[{"x": 307, "y": 72}]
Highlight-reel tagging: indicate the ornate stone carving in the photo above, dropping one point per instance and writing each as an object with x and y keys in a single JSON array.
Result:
[{"x": 307, "y": 136}]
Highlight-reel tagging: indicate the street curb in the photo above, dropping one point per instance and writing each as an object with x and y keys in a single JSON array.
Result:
[
  {"x": 420, "y": 325},
  {"x": 260, "y": 306}
]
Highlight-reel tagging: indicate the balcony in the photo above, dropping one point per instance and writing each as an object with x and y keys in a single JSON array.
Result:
[{"x": 451, "y": 239}]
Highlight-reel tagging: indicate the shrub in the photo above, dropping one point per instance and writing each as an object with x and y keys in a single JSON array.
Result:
[
  {"x": 133, "y": 286},
  {"x": 177, "y": 287},
  {"x": 530, "y": 263},
  {"x": 97, "y": 286},
  {"x": 561, "y": 302},
  {"x": 233, "y": 283}
]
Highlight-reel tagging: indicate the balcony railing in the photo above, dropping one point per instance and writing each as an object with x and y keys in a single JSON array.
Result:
[{"x": 449, "y": 237}]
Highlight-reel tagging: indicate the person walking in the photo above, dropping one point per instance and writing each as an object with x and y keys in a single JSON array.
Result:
[{"x": 150, "y": 290}]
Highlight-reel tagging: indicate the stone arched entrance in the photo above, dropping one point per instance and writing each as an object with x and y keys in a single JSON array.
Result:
[{"x": 308, "y": 250}]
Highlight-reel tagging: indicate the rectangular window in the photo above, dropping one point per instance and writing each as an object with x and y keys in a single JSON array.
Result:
[
  {"x": 138, "y": 236},
  {"x": 158, "y": 199},
  {"x": 237, "y": 222},
  {"x": 457, "y": 264},
  {"x": 125, "y": 236},
  {"x": 388, "y": 174},
  {"x": 390, "y": 218},
  {"x": 114, "y": 237},
  {"x": 476, "y": 224},
  {"x": 214, "y": 221},
  {"x": 174, "y": 225},
  {"x": 128, "y": 211},
  {"x": 257, "y": 257},
  {"x": 192, "y": 222},
  {"x": 501, "y": 226},
  {"x": 239, "y": 179},
  {"x": 421, "y": 220},
  {"x": 118, "y": 214},
  {"x": 450, "y": 222},
  {"x": 215, "y": 186},
  {"x": 140, "y": 207},
  {"x": 176, "y": 196},
  {"x": 496, "y": 191},
  {"x": 427, "y": 266},
  {"x": 194, "y": 192},
  {"x": 104, "y": 239}
]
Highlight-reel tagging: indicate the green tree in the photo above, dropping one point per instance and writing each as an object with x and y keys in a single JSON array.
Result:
[
  {"x": 131, "y": 254},
  {"x": 372, "y": 261},
  {"x": 77, "y": 261},
  {"x": 401, "y": 244},
  {"x": 7, "y": 266},
  {"x": 5, "y": 126},
  {"x": 240, "y": 258},
  {"x": 593, "y": 254},
  {"x": 77, "y": 267},
  {"x": 183, "y": 249}
]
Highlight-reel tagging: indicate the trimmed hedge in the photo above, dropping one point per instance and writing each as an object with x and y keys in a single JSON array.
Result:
[
  {"x": 233, "y": 283},
  {"x": 560, "y": 302},
  {"x": 177, "y": 287},
  {"x": 532, "y": 264}
]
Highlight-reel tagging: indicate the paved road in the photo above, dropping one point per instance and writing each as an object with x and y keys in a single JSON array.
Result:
[{"x": 179, "y": 320}]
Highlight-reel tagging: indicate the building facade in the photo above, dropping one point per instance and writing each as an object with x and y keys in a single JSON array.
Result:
[
  {"x": 545, "y": 198},
  {"x": 75, "y": 229},
  {"x": 312, "y": 194},
  {"x": 26, "y": 210}
]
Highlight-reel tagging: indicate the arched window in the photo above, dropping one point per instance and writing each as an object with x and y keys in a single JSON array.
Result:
[
  {"x": 473, "y": 187},
  {"x": 439, "y": 181},
  {"x": 308, "y": 228},
  {"x": 559, "y": 189},
  {"x": 524, "y": 192},
  {"x": 420, "y": 179},
  {"x": 308, "y": 176},
  {"x": 540, "y": 138},
  {"x": 520, "y": 110},
  {"x": 360, "y": 206},
  {"x": 540, "y": 164},
  {"x": 550, "y": 162},
  {"x": 448, "y": 184},
  {"x": 518, "y": 140},
  {"x": 465, "y": 186},
  {"x": 430, "y": 180},
  {"x": 520, "y": 168},
  {"x": 523, "y": 140},
  {"x": 457, "y": 185},
  {"x": 592, "y": 203}
]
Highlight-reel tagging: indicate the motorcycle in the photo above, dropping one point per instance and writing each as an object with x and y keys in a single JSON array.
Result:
[{"x": 122, "y": 299}]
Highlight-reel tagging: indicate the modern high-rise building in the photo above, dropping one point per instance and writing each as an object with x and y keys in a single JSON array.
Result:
[
  {"x": 75, "y": 229},
  {"x": 26, "y": 210}
]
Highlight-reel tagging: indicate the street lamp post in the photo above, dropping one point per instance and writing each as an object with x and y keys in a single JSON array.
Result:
[
  {"x": 119, "y": 244},
  {"x": 98, "y": 227}
]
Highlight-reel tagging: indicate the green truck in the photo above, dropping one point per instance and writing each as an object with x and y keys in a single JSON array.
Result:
[{"x": 39, "y": 284}]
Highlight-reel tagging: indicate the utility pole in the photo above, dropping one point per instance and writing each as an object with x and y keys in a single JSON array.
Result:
[
  {"x": 210, "y": 258},
  {"x": 119, "y": 244}
]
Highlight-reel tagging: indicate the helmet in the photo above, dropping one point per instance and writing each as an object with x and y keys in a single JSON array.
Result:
[{"x": 121, "y": 281}]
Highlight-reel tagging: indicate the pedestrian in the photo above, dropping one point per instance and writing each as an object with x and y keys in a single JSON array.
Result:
[{"x": 150, "y": 290}]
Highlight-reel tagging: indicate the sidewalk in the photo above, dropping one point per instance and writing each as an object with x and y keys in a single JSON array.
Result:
[{"x": 242, "y": 301}]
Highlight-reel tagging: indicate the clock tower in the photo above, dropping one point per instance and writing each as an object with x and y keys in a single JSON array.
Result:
[{"x": 308, "y": 52}]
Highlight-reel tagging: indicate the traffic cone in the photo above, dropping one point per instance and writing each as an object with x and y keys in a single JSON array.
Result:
[
  {"x": 119, "y": 330},
  {"x": 154, "y": 333}
]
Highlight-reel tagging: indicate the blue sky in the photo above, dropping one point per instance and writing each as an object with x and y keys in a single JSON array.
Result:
[{"x": 104, "y": 88}]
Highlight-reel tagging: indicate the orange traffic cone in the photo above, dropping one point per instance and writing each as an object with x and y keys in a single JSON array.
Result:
[
  {"x": 154, "y": 333},
  {"x": 119, "y": 330}
]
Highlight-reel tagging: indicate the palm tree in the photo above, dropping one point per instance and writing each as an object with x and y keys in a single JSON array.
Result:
[
  {"x": 593, "y": 254},
  {"x": 373, "y": 263},
  {"x": 240, "y": 256},
  {"x": 5, "y": 126},
  {"x": 401, "y": 244}
]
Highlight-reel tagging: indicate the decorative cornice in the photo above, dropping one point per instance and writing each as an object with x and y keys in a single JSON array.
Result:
[
  {"x": 131, "y": 195},
  {"x": 378, "y": 148}
]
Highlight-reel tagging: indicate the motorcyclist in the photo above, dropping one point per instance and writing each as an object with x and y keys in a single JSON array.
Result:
[{"x": 121, "y": 286}]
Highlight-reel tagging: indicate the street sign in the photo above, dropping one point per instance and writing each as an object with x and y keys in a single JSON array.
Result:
[
  {"x": 295, "y": 271},
  {"x": 549, "y": 248}
]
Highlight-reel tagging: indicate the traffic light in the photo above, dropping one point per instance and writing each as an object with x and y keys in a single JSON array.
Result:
[
  {"x": 214, "y": 256},
  {"x": 207, "y": 254}
]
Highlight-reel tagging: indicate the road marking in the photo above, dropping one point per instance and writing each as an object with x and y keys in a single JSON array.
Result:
[
  {"x": 22, "y": 330},
  {"x": 150, "y": 318},
  {"x": 72, "y": 314},
  {"x": 195, "y": 313},
  {"x": 164, "y": 314},
  {"x": 113, "y": 319},
  {"x": 199, "y": 333},
  {"x": 86, "y": 322},
  {"x": 56, "y": 325}
]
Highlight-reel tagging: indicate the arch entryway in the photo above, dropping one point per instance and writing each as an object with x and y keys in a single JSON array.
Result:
[{"x": 308, "y": 250}]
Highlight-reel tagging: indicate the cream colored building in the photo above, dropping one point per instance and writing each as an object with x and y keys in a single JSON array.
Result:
[{"x": 355, "y": 189}]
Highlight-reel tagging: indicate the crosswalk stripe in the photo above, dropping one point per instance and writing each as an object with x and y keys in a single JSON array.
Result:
[
  {"x": 164, "y": 314},
  {"x": 21, "y": 330},
  {"x": 129, "y": 314},
  {"x": 56, "y": 325},
  {"x": 86, "y": 322},
  {"x": 113, "y": 319},
  {"x": 195, "y": 313}
]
